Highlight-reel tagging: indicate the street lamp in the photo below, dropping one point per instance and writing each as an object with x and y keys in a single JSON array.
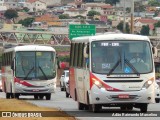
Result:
[
  {"x": 124, "y": 16},
  {"x": 132, "y": 17}
]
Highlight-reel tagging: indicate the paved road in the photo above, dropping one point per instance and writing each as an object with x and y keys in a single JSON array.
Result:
[{"x": 59, "y": 101}]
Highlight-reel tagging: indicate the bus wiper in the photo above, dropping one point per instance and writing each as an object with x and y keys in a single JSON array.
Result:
[
  {"x": 131, "y": 66},
  {"x": 28, "y": 73},
  {"x": 43, "y": 72},
  {"x": 114, "y": 67}
]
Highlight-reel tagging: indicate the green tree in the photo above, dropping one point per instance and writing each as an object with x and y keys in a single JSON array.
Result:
[
  {"x": 157, "y": 24},
  {"x": 26, "y": 22},
  {"x": 145, "y": 30},
  {"x": 153, "y": 3},
  {"x": 26, "y": 9},
  {"x": 64, "y": 16},
  {"x": 111, "y": 1},
  {"x": 11, "y": 14},
  {"x": 156, "y": 13},
  {"x": 80, "y": 16},
  {"x": 92, "y": 13},
  {"x": 120, "y": 27}
]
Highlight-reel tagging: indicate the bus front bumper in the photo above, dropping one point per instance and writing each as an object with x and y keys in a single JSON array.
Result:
[{"x": 102, "y": 96}]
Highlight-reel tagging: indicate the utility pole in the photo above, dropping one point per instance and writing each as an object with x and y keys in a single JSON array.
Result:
[
  {"x": 124, "y": 16},
  {"x": 132, "y": 16}
]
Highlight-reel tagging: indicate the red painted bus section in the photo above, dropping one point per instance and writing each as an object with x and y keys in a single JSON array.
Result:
[
  {"x": 72, "y": 83},
  {"x": 93, "y": 78},
  {"x": 23, "y": 82}
]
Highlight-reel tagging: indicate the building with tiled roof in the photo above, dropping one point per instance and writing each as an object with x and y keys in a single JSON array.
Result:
[{"x": 36, "y": 5}]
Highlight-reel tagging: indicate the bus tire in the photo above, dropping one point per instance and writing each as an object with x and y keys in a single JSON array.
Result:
[
  {"x": 48, "y": 96},
  {"x": 12, "y": 95},
  {"x": 143, "y": 107},
  {"x": 67, "y": 95},
  {"x": 7, "y": 95},
  {"x": 157, "y": 100},
  {"x": 96, "y": 108},
  {"x": 16, "y": 95},
  {"x": 62, "y": 89},
  {"x": 41, "y": 97},
  {"x": 80, "y": 106},
  {"x": 36, "y": 97},
  {"x": 130, "y": 107},
  {"x": 123, "y": 108}
]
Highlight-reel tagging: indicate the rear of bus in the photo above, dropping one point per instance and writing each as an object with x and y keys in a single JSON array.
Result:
[
  {"x": 34, "y": 71},
  {"x": 122, "y": 72}
]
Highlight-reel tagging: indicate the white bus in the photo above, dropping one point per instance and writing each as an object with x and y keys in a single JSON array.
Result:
[
  {"x": 29, "y": 70},
  {"x": 112, "y": 70}
]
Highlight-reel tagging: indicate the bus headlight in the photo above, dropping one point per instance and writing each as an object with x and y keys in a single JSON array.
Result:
[
  {"x": 51, "y": 84},
  {"x": 17, "y": 84},
  {"x": 97, "y": 83},
  {"x": 148, "y": 83}
]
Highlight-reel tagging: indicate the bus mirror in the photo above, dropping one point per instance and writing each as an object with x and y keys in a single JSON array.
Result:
[{"x": 155, "y": 51}]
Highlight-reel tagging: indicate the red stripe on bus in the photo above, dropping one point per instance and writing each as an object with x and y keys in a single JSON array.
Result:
[
  {"x": 106, "y": 86},
  {"x": 22, "y": 82}
]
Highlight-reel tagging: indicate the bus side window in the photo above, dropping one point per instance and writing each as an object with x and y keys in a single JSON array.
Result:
[{"x": 86, "y": 55}]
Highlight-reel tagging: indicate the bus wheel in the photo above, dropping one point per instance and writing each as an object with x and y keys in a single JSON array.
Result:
[
  {"x": 143, "y": 108},
  {"x": 7, "y": 95},
  {"x": 48, "y": 96},
  {"x": 12, "y": 95},
  {"x": 61, "y": 87},
  {"x": 80, "y": 106},
  {"x": 123, "y": 108},
  {"x": 67, "y": 95},
  {"x": 36, "y": 97},
  {"x": 130, "y": 107},
  {"x": 41, "y": 96},
  {"x": 157, "y": 100},
  {"x": 16, "y": 96},
  {"x": 96, "y": 108}
]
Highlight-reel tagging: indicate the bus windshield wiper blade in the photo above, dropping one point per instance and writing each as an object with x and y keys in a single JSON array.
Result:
[
  {"x": 43, "y": 72},
  {"x": 29, "y": 73},
  {"x": 114, "y": 67},
  {"x": 132, "y": 67}
]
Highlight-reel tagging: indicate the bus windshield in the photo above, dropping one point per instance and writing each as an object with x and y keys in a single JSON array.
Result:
[
  {"x": 121, "y": 57},
  {"x": 35, "y": 65}
]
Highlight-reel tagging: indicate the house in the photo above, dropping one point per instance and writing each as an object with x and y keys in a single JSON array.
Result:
[
  {"x": 36, "y": 5},
  {"x": 49, "y": 20},
  {"x": 21, "y": 3},
  {"x": 11, "y": 4},
  {"x": 2, "y": 6},
  {"x": 145, "y": 21},
  {"x": 52, "y": 2},
  {"x": 107, "y": 10},
  {"x": 128, "y": 3},
  {"x": 73, "y": 12},
  {"x": 46, "y": 18}
]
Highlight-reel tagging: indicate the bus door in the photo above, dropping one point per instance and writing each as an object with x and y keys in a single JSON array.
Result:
[{"x": 86, "y": 72}]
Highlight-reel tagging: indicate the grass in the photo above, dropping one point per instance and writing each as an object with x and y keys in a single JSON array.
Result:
[{"x": 22, "y": 106}]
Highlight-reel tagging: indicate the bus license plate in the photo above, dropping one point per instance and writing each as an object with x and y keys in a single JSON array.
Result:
[
  {"x": 35, "y": 90},
  {"x": 123, "y": 96}
]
